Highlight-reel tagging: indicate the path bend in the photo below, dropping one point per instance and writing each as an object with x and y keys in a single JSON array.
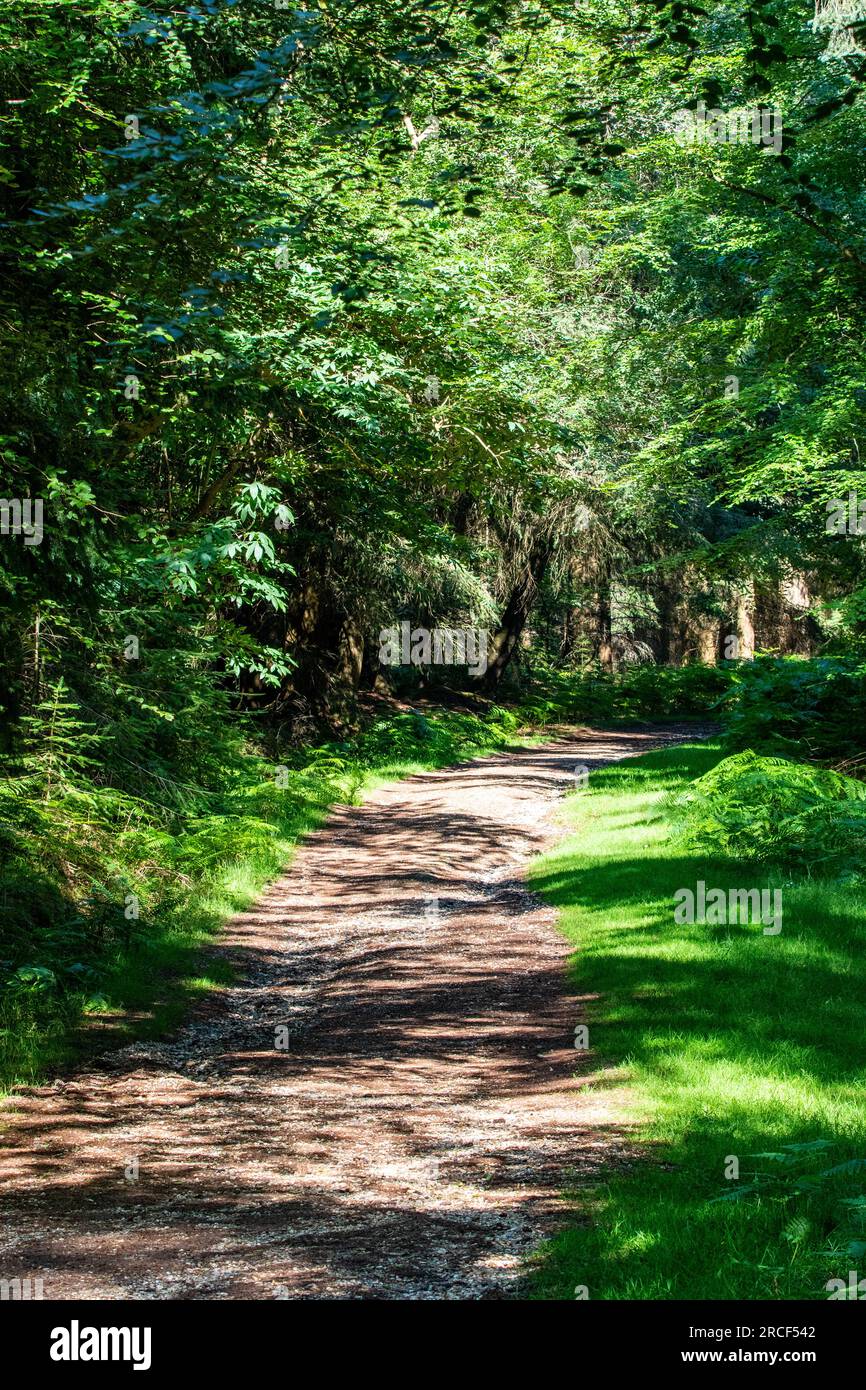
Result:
[{"x": 412, "y": 1138}]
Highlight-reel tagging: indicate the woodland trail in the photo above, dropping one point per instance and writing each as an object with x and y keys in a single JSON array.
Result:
[{"x": 413, "y": 1138}]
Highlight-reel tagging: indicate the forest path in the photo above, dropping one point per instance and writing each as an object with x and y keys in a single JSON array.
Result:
[{"x": 412, "y": 1139}]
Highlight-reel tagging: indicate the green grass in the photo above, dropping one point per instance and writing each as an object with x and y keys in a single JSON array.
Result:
[{"x": 711, "y": 1041}]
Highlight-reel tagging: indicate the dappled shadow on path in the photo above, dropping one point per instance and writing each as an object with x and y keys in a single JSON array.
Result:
[{"x": 385, "y": 1105}]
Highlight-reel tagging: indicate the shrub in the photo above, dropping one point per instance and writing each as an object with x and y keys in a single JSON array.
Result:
[
  {"x": 769, "y": 808},
  {"x": 805, "y": 709},
  {"x": 645, "y": 692}
]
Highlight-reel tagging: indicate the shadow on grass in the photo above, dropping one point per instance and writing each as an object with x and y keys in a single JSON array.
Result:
[{"x": 732, "y": 1043}]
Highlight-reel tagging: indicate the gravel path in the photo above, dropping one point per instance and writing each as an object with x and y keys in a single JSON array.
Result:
[{"x": 384, "y": 1106}]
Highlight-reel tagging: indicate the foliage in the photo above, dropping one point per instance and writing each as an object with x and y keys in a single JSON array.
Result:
[
  {"x": 318, "y": 320},
  {"x": 765, "y": 808},
  {"x": 798, "y": 708},
  {"x": 645, "y": 692}
]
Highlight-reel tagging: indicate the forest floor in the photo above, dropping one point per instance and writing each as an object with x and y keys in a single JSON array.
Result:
[{"x": 387, "y": 1103}]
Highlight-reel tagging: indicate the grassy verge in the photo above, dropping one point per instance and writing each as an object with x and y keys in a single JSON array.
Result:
[
  {"x": 722, "y": 1043},
  {"x": 109, "y": 900}
]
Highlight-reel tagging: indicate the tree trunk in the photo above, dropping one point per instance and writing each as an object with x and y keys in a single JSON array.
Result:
[
  {"x": 603, "y": 622},
  {"x": 502, "y": 644},
  {"x": 745, "y": 625}
]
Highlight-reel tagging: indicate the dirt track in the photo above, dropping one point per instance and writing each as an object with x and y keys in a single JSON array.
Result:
[{"x": 412, "y": 1138}]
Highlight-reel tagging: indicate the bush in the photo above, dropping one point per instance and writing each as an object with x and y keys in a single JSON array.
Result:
[
  {"x": 767, "y": 808},
  {"x": 645, "y": 692},
  {"x": 805, "y": 709}
]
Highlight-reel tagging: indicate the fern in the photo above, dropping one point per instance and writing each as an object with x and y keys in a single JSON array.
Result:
[{"x": 770, "y": 808}]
